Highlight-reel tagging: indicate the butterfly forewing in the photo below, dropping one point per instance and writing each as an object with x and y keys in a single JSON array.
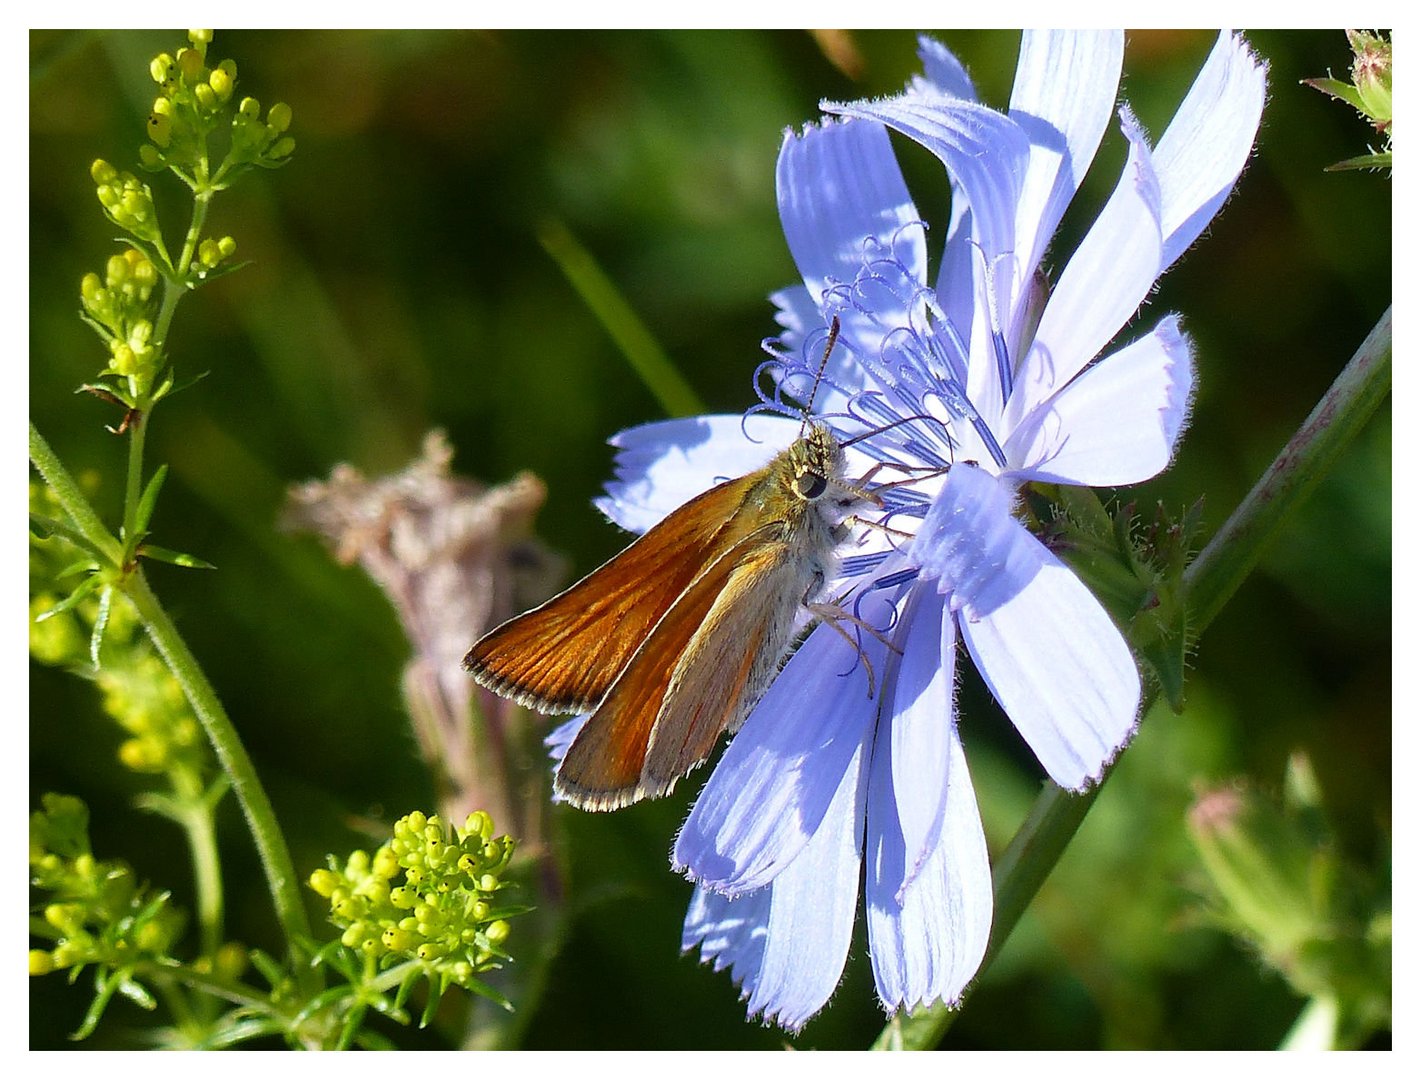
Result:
[
  {"x": 606, "y": 765},
  {"x": 604, "y": 618}
]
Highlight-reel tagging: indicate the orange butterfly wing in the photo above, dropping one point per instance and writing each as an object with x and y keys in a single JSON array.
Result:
[
  {"x": 565, "y": 655},
  {"x": 689, "y": 682}
]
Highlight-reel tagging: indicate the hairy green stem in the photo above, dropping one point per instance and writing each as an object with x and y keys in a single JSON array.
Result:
[
  {"x": 1210, "y": 581},
  {"x": 198, "y": 822},
  {"x": 72, "y": 498},
  {"x": 261, "y": 819}
]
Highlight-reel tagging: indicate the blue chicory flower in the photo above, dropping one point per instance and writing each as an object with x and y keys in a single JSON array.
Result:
[{"x": 826, "y": 783}]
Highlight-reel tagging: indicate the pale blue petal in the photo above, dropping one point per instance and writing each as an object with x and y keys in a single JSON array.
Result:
[
  {"x": 921, "y": 727},
  {"x": 663, "y": 464},
  {"x": 1045, "y": 647},
  {"x": 557, "y": 742},
  {"x": 1208, "y": 142},
  {"x": 786, "y": 943},
  {"x": 1102, "y": 286},
  {"x": 1063, "y": 96},
  {"x": 729, "y": 933},
  {"x": 1115, "y": 424},
  {"x": 983, "y": 150},
  {"x": 927, "y": 942},
  {"x": 945, "y": 77},
  {"x": 771, "y": 789},
  {"x": 943, "y": 74},
  {"x": 970, "y": 544},
  {"x": 842, "y": 200}
]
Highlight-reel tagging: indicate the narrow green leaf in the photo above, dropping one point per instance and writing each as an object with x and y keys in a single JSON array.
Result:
[
  {"x": 177, "y": 558},
  {"x": 101, "y": 623},
  {"x": 149, "y": 499},
  {"x": 106, "y": 987},
  {"x": 619, "y": 320},
  {"x": 83, "y": 589},
  {"x": 1338, "y": 89},
  {"x": 46, "y": 527},
  {"x": 137, "y": 993}
]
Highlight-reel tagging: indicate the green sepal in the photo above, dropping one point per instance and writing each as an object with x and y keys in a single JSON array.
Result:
[
  {"x": 1340, "y": 90},
  {"x": 149, "y": 500},
  {"x": 83, "y": 589},
  {"x": 1167, "y": 649},
  {"x": 177, "y": 558}
]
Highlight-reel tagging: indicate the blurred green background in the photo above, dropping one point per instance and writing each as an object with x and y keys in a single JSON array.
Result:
[{"x": 397, "y": 284}]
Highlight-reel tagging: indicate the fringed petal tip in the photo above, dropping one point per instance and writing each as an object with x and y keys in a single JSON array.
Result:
[{"x": 1106, "y": 762}]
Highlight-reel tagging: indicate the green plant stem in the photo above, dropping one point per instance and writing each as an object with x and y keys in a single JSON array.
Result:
[
  {"x": 261, "y": 819},
  {"x": 271, "y": 843},
  {"x": 198, "y": 822},
  {"x": 1209, "y": 582}
]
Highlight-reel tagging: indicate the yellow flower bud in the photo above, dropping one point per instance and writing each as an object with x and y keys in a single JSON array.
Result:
[
  {"x": 221, "y": 82},
  {"x": 160, "y": 129},
  {"x": 200, "y": 38},
  {"x": 323, "y": 882},
  {"x": 151, "y": 937},
  {"x": 91, "y": 289},
  {"x": 103, "y": 172},
  {"x": 282, "y": 147},
  {"x": 190, "y": 64},
  {"x": 397, "y": 940},
  {"x": 250, "y": 108},
  {"x": 497, "y": 931},
  {"x": 161, "y": 68},
  {"x": 206, "y": 97},
  {"x": 279, "y": 119},
  {"x": 41, "y": 962},
  {"x": 148, "y": 154},
  {"x": 231, "y": 959}
]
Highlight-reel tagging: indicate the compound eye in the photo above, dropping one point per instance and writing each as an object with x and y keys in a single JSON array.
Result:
[{"x": 810, "y": 485}]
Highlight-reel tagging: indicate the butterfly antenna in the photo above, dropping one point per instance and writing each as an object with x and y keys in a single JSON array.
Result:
[{"x": 819, "y": 375}]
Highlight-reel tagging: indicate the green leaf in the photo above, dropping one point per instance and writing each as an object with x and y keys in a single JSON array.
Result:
[
  {"x": 106, "y": 987},
  {"x": 431, "y": 1005},
  {"x": 627, "y": 331},
  {"x": 83, "y": 589},
  {"x": 149, "y": 500},
  {"x": 1365, "y": 161},
  {"x": 177, "y": 558},
  {"x": 101, "y": 623},
  {"x": 220, "y": 270},
  {"x": 137, "y": 993},
  {"x": 46, "y": 527},
  {"x": 486, "y": 991}
]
